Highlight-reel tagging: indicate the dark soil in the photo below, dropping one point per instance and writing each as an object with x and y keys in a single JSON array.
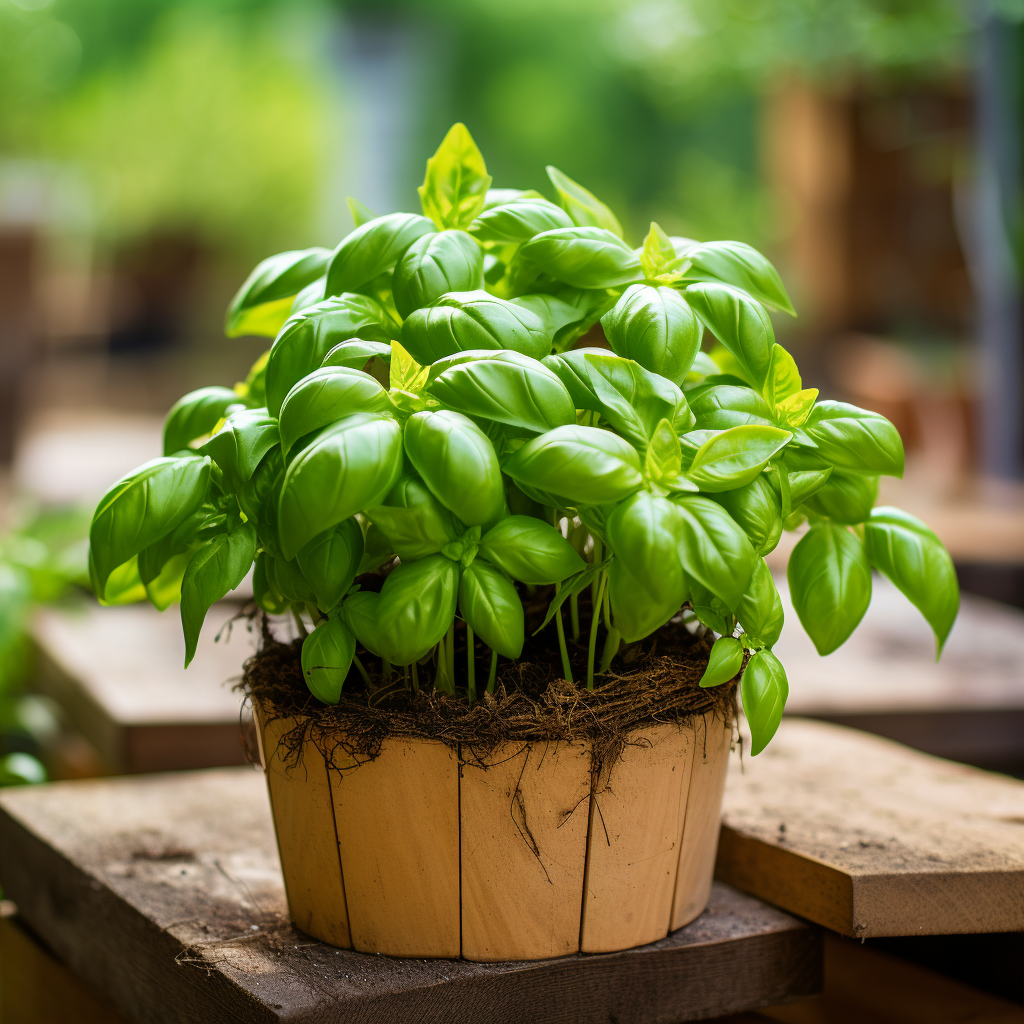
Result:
[{"x": 652, "y": 681}]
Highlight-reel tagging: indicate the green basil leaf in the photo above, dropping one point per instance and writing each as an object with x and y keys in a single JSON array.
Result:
[
  {"x": 573, "y": 370},
  {"x": 765, "y": 690},
  {"x": 264, "y": 593},
  {"x": 141, "y": 508},
  {"x": 308, "y": 336},
  {"x": 264, "y": 301},
  {"x": 492, "y": 608},
  {"x": 329, "y": 562},
  {"x": 783, "y": 380},
  {"x": 326, "y": 659},
  {"x": 522, "y": 394},
  {"x": 501, "y": 196},
  {"x": 455, "y": 187},
  {"x": 567, "y": 315},
  {"x": 416, "y": 607},
  {"x": 371, "y": 249},
  {"x": 584, "y": 257},
  {"x": 807, "y": 473},
  {"x": 710, "y": 609},
  {"x": 164, "y": 589},
  {"x": 735, "y": 457},
  {"x": 725, "y": 660},
  {"x": 287, "y": 579},
  {"x": 657, "y": 252},
  {"x": 377, "y": 550},
  {"x": 830, "y": 583},
  {"x": 657, "y": 328},
  {"x": 760, "y": 612},
  {"x": 845, "y": 498},
  {"x": 646, "y": 582},
  {"x": 324, "y": 397},
  {"x": 239, "y": 446},
  {"x": 857, "y": 439},
  {"x": 359, "y": 612},
  {"x": 253, "y": 494},
  {"x": 793, "y": 410},
  {"x": 738, "y": 264},
  {"x": 530, "y": 551},
  {"x": 518, "y": 220},
  {"x": 585, "y": 209},
  {"x": 664, "y": 458},
  {"x": 355, "y": 354},
  {"x": 349, "y": 467},
  {"x": 756, "y": 509},
  {"x": 449, "y": 261},
  {"x": 713, "y": 549},
  {"x": 199, "y": 526},
  {"x": 415, "y": 523},
  {"x": 195, "y": 415},
  {"x": 309, "y": 296},
  {"x": 122, "y": 586},
  {"x": 738, "y": 322},
  {"x": 902, "y": 547},
  {"x": 458, "y": 463},
  {"x": 217, "y": 567},
  {"x": 585, "y": 464},
  {"x": 720, "y": 406},
  {"x": 462, "y": 321}
]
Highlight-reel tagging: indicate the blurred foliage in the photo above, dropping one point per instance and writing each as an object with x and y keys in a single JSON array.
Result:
[
  {"x": 199, "y": 112},
  {"x": 41, "y": 562}
]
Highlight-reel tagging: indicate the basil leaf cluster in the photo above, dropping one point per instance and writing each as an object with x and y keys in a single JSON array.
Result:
[{"x": 499, "y": 393}]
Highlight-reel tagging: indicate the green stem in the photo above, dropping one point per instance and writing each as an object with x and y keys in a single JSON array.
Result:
[
  {"x": 566, "y": 667},
  {"x": 470, "y": 665},
  {"x": 492, "y": 677},
  {"x": 362, "y": 671},
  {"x": 606, "y": 611},
  {"x": 595, "y": 620},
  {"x": 449, "y": 645},
  {"x": 594, "y": 602},
  {"x": 611, "y": 648},
  {"x": 415, "y": 678},
  {"x": 574, "y": 615},
  {"x": 303, "y": 632}
]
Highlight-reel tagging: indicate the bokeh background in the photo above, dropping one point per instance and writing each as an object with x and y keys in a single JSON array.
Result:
[{"x": 152, "y": 151}]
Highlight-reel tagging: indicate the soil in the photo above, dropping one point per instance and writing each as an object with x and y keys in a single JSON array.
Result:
[{"x": 654, "y": 680}]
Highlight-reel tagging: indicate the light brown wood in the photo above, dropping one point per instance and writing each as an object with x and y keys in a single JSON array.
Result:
[
  {"x": 398, "y": 829},
  {"x": 871, "y": 838},
  {"x": 524, "y": 850},
  {"x": 702, "y": 818},
  {"x": 633, "y": 849},
  {"x": 300, "y": 796}
]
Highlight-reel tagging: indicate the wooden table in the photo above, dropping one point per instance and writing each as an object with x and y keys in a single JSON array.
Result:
[
  {"x": 870, "y": 838},
  {"x": 164, "y": 892},
  {"x": 968, "y": 707},
  {"x": 118, "y": 676}
]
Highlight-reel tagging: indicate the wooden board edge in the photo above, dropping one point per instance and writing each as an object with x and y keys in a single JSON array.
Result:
[{"x": 798, "y": 884}]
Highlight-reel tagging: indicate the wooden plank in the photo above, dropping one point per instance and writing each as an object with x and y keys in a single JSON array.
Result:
[
  {"x": 165, "y": 893},
  {"x": 524, "y": 850},
  {"x": 866, "y": 986},
  {"x": 633, "y": 850},
  {"x": 397, "y": 820},
  {"x": 872, "y": 839},
  {"x": 307, "y": 843},
  {"x": 702, "y": 819},
  {"x": 118, "y": 675},
  {"x": 36, "y": 988}
]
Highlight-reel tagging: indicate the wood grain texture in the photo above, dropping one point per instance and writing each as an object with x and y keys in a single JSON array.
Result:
[
  {"x": 524, "y": 849},
  {"x": 397, "y": 819},
  {"x": 300, "y": 795},
  {"x": 702, "y": 818},
  {"x": 165, "y": 893},
  {"x": 873, "y": 839},
  {"x": 633, "y": 850}
]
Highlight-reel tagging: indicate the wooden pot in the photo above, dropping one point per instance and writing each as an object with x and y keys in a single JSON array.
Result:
[{"x": 524, "y": 854}]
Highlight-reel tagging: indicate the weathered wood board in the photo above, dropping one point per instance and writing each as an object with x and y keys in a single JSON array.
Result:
[
  {"x": 118, "y": 675},
  {"x": 869, "y": 838},
  {"x": 165, "y": 893}
]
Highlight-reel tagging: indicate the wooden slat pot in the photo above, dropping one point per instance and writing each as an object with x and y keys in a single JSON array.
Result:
[{"x": 522, "y": 854}]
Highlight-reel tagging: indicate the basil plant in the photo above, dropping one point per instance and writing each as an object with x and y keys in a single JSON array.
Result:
[{"x": 429, "y": 408}]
